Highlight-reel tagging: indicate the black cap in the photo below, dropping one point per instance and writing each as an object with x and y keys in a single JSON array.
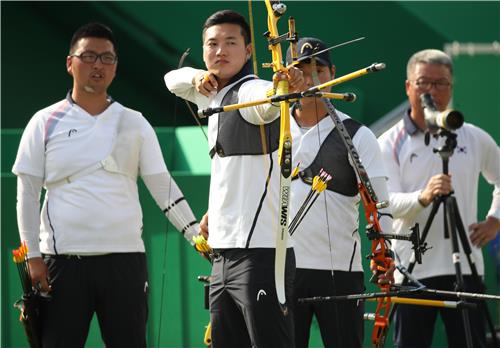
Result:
[{"x": 307, "y": 46}]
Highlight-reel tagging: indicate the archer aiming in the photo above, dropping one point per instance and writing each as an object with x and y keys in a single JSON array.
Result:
[{"x": 245, "y": 181}]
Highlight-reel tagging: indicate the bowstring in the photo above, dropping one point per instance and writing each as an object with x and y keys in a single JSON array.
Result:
[
  {"x": 170, "y": 212},
  {"x": 330, "y": 244},
  {"x": 252, "y": 39}
]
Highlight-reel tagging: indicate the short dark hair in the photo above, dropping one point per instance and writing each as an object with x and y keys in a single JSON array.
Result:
[
  {"x": 229, "y": 16},
  {"x": 97, "y": 30}
]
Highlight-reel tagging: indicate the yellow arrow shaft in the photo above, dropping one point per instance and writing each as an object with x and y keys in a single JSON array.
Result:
[
  {"x": 342, "y": 79},
  {"x": 269, "y": 100},
  {"x": 421, "y": 302}
]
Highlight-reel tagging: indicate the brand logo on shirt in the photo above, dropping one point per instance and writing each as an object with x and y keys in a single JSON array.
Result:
[
  {"x": 261, "y": 292},
  {"x": 462, "y": 149},
  {"x": 71, "y": 132},
  {"x": 412, "y": 156}
]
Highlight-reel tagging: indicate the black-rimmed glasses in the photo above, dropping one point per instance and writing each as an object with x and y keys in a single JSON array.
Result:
[
  {"x": 91, "y": 57},
  {"x": 425, "y": 84}
]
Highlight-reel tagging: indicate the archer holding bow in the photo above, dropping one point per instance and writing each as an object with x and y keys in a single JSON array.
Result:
[
  {"x": 327, "y": 243},
  {"x": 244, "y": 187}
]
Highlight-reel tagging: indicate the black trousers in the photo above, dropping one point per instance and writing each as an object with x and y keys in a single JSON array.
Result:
[
  {"x": 244, "y": 307},
  {"x": 340, "y": 323},
  {"x": 414, "y": 325},
  {"x": 114, "y": 286}
]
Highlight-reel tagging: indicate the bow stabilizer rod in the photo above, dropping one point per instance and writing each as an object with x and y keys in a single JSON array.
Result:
[
  {"x": 375, "y": 67},
  {"x": 311, "y": 92}
]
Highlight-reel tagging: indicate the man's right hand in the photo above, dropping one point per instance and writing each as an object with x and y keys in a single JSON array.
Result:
[
  {"x": 205, "y": 83},
  {"x": 39, "y": 274},
  {"x": 438, "y": 185}
]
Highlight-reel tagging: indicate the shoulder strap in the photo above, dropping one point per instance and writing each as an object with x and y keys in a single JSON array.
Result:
[{"x": 107, "y": 163}]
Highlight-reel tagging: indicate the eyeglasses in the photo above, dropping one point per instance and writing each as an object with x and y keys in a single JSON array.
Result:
[
  {"x": 91, "y": 57},
  {"x": 425, "y": 85}
]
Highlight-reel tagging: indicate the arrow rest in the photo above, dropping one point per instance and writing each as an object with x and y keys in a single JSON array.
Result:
[{"x": 414, "y": 237}]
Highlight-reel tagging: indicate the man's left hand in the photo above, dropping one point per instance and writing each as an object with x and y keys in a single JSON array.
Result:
[
  {"x": 296, "y": 79},
  {"x": 484, "y": 231},
  {"x": 383, "y": 278},
  {"x": 294, "y": 76}
]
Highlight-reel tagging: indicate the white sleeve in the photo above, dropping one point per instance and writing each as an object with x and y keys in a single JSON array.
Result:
[
  {"x": 170, "y": 199},
  {"x": 180, "y": 83},
  {"x": 30, "y": 157},
  {"x": 162, "y": 186},
  {"x": 495, "y": 203},
  {"x": 259, "y": 114},
  {"x": 151, "y": 158},
  {"x": 490, "y": 168},
  {"x": 385, "y": 214},
  {"x": 369, "y": 152},
  {"x": 28, "y": 212},
  {"x": 403, "y": 204}
]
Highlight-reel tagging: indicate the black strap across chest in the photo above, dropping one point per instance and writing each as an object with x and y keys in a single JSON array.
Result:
[{"x": 333, "y": 157}]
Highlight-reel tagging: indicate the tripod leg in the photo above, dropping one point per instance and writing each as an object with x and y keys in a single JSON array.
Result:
[
  {"x": 464, "y": 240},
  {"x": 475, "y": 275},
  {"x": 450, "y": 217},
  {"x": 446, "y": 226},
  {"x": 413, "y": 261},
  {"x": 428, "y": 223}
]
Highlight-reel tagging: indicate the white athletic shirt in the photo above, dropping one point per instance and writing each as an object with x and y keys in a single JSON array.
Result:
[
  {"x": 237, "y": 182},
  {"x": 410, "y": 165},
  {"x": 328, "y": 236},
  {"x": 99, "y": 212}
]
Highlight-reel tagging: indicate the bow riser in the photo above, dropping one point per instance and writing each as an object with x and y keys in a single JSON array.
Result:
[
  {"x": 379, "y": 253},
  {"x": 275, "y": 10}
]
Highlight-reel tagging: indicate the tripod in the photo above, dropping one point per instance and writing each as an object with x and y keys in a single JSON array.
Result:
[{"x": 454, "y": 229}]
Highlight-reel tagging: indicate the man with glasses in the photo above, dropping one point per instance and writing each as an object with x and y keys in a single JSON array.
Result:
[
  {"x": 85, "y": 249},
  {"x": 416, "y": 179}
]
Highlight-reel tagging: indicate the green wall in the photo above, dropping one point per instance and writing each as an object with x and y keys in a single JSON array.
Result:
[{"x": 153, "y": 35}]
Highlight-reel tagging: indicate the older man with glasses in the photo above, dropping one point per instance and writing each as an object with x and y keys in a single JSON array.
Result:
[
  {"x": 85, "y": 249},
  {"x": 416, "y": 179}
]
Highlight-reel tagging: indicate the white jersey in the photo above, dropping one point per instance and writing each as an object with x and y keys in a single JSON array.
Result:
[
  {"x": 99, "y": 212},
  {"x": 328, "y": 236},
  {"x": 410, "y": 164},
  {"x": 242, "y": 211}
]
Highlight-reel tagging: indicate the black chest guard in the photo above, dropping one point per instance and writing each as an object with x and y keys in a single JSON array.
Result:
[
  {"x": 332, "y": 157},
  {"x": 237, "y": 137}
]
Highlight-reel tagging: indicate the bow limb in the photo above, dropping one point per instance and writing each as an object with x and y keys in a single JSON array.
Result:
[
  {"x": 380, "y": 255},
  {"x": 382, "y": 259},
  {"x": 252, "y": 38},
  {"x": 274, "y": 11},
  {"x": 195, "y": 116}
]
